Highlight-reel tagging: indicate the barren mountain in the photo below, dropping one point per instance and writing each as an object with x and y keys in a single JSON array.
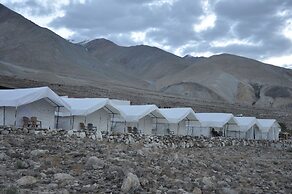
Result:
[
  {"x": 148, "y": 63},
  {"x": 29, "y": 51},
  {"x": 235, "y": 79}
]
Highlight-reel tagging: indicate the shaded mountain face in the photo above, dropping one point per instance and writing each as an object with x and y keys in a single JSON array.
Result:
[
  {"x": 31, "y": 52},
  {"x": 237, "y": 80},
  {"x": 148, "y": 63}
]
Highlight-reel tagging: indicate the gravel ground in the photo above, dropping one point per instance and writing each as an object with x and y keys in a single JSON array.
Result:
[{"x": 55, "y": 163}]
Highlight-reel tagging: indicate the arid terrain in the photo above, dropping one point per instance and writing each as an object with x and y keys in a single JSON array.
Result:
[
  {"x": 28, "y": 51},
  {"x": 56, "y": 163}
]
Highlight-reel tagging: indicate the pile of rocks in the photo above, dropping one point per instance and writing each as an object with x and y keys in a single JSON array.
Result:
[
  {"x": 167, "y": 141},
  {"x": 191, "y": 142}
]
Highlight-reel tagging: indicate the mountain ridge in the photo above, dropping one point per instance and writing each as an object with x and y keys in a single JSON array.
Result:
[{"x": 30, "y": 51}]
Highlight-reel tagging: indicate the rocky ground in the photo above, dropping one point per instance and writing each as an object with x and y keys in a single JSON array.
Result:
[{"x": 58, "y": 163}]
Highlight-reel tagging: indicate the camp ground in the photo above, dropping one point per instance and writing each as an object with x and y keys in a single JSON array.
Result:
[{"x": 41, "y": 108}]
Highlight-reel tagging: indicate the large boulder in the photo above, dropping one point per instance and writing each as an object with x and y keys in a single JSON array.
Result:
[
  {"x": 94, "y": 163},
  {"x": 26, "y": 180},
  {"x": 130, "y": 183}
]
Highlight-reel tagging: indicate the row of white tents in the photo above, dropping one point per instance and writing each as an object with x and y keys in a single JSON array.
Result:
[{"x": 109, "y": 115}]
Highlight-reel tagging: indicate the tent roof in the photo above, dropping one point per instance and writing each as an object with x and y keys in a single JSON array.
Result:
[
  {"x": 133, "y": 113},
  {"x": 266, "y": 124},
  {"x": 86, "y": 106},
  {"x": 215, "y": 119},
  {"x": 245, "y": 123},
  {"x": 18, "y": 97},
  {"x": 119, "y": 102},
  {"x": 176, "y": 115}
]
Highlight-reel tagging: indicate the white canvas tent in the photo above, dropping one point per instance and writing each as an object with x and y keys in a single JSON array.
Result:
[
  {"x": 177, "y": 120},
  {"x": 247, "y": 128},
  {"x": 269, "y": 129},
  {"x": 39, "y": 102},
  {"x": 96, "y": 111},
  {"x": 220, "y": 122},
  {"x": 142, "y": 117}
]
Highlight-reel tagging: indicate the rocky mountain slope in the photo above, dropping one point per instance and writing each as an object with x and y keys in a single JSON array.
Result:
[
  {"x": 28, "y": 51},
  {"x": 235, "y": 79},
  {"x": 148, "y": 63}
]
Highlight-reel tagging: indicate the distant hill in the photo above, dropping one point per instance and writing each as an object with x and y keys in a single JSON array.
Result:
[
  {"x": 235, "y": 79},
  {"x": 31, "y": 52},
  {"x": 148, "y": 63}
]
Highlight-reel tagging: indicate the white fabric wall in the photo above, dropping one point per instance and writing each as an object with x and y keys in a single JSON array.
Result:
[
  {"x": 234, "y": 131},
  {"x": 195, "y": 129},
  {"x": 146, "y": 125},
  {"x": 42, "y": 109},
  {"x": 100, "y": 119},
  {"x": 258, "y": 134},
  {"x": 277, "y": 131},
  {"x": 162, "y": 127},
  {"x": 200, "y": 131},
  {"x": 249, "y": 133},
  {"x": 118, "y": 124},
  {"x": 65, "y": 123},
  {"x": 178, "y": 128},
  {"x": 9, "y": 116}
]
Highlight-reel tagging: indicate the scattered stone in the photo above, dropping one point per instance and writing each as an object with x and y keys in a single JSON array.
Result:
[
  {"x": 197, "y": 190},
  {"x": 37, "y": 153},
  {"x": 63, "y": 176},
  {"x": 3, "y": 157},
  {"x": 26, "y": 180},
  {"x": 207, "y": 181},
  {"x": 130, "y": 183},
  {"x": 94, "y": 163},
  {"x": 21, "y": 164},
  {"x": 227, "y": 190},
  {"x": 166, "y": 164},
  {"x": 98, "y": 135}
]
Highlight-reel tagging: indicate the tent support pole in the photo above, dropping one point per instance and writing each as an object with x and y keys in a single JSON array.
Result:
[
  {"x": 155, "y": 122},
  {"x": 15, "y": 116},
  {"x": 58, "y": 111},
  {"x": 112, "y": 121},
  {"x": 4, "y": 115},
  {"x": 156, "y": 127},
  {"x": 73, "y": 122},
  {"x": 188, "y": 126},
  {"x": 125, "y": 126}
]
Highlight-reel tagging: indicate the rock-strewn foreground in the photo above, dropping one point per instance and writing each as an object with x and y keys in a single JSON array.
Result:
[{"x": 56, "y": 163}]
